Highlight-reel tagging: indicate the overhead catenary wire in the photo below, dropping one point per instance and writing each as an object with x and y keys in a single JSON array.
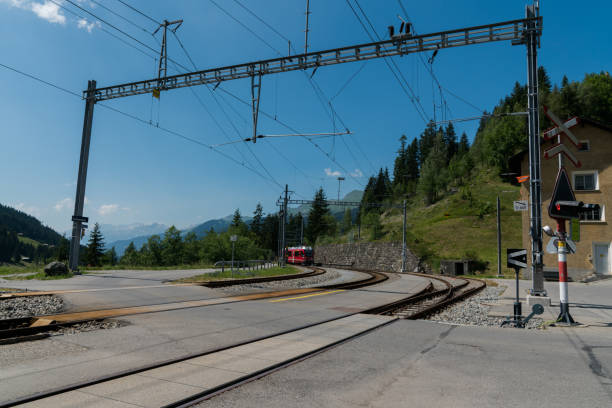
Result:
[
  {"x": 310, "y": 80},
  {"x": 140, "y": 120},
  {"x": 121, "y": 17},
  {"x": 139, "y": 12},
  {"x": 415, "y": 101},
  {"x": 323, "y": 98},
  {"x": 115, "y": 28},
  {"x": 227, "y": 116}
]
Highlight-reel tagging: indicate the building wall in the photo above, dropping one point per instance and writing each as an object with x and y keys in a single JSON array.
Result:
[{"x": 599, "y": 158}]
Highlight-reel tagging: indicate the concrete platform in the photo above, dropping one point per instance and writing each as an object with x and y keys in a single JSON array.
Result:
[
  {"x": 164, "y": 385},
  {"x": 431, "y": 365},
  {"x": 590, "y": 303},
  {"x": 37, "y": 366}
]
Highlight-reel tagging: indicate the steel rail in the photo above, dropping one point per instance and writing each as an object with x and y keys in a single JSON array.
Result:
[
  {"x": 12, "y": 330},
  {"x": 513, "y": 30},
  {"x": 375, "y": 277}
]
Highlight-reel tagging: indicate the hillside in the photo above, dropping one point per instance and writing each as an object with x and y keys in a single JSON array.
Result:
[
  {"x": 22, "y": 223},
  {"x": 23, "y": 236}
]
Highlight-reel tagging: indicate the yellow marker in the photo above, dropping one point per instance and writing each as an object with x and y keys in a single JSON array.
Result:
[
  {"x": 307, "y": 296},
  {"x": 156, "y": 93}
]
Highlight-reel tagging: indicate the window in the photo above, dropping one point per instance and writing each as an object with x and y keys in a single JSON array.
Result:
[
  {"x": 593, "y": 215},
  {"x": 584, "y": 146},
  {"x": 585, "y": 181}
]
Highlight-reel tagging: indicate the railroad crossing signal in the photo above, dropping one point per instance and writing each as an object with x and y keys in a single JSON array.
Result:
[
  {"x": 560, "y": 148},
  {"x": 563, "y": 192},
  {"x": 561, "y": 128},
  {"x": 517, "y": 258}
]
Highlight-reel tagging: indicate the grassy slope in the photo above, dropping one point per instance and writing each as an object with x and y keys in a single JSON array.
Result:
[
  {"x": 452, "y": 229},
  {"x": 227, "y": 274}
]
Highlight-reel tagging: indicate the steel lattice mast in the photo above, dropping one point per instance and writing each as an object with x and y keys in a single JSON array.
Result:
[{"x": 521, "y": 31}]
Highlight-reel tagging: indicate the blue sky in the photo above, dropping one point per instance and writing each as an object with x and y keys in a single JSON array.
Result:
[{"x": 138, "y": 173}]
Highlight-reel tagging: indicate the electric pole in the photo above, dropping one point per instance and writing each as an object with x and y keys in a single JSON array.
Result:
[
  {"x": 404, "y": 241},
  {"x": 340, "y": 179},
  {"x": 306, "y": 31},
  {"x": 284, "y": 222},
  {"x": 162, "y": 71},
  {"x": 521, "y": 31},
  {"x": 532, "y": 38}
]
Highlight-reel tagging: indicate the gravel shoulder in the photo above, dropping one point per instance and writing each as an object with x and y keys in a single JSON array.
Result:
[
  {"x": 329, "y": 275},
  {"x": 30, "y": 306},
  {"x": 474, "y": 311}
]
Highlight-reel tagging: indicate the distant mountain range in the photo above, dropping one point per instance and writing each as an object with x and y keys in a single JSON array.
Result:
[
  {"x": 219, "y": 225},
  {"x": 120, "y": 236}
]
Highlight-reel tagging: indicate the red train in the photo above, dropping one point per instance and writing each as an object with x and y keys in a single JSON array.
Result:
[{"x": 301, "y": 255}]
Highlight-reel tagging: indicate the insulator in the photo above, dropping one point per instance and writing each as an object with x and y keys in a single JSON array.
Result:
[
  {"x": 391, "y": 31},
  {"x": 401, "y": 30}
]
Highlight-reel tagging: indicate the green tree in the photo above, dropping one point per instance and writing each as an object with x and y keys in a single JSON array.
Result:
[
  {"x": 151, "y": 252},
  {"x": 257, "y": 221},
  {"x": 172, "y": 247},
  {"x": 316, "y": 217},
  {"x": 191, "y": 249},
  {"x": 95, "y": 247},
  {"x": 130, "y": 256},
  {"x": 63, "y": 250},
  {"x": 464, "y": 145},
  {"x": 433, "y": 172},
  {"x": 347, "y": 220},
  {"x": 110, "y": 256}
]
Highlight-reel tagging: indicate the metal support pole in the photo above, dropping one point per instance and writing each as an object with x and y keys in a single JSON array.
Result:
[
  {"x": 306, "y": 31},
  {"x": 255, "y": 97},
  {"x": 404, "y": 241},
  {"x": 284, "y": 222},
  {"x": 77, "y": 219},
  {"x": 564, "y": 314},
  {"x": 233, "y": 245},
  {"x": 517, "y": 303},
  {"x": 499, "y": 260},
  {"x": 535, "y": 222}
]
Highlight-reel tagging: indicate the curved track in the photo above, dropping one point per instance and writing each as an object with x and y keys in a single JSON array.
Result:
[{"x": 440, "y": 292}]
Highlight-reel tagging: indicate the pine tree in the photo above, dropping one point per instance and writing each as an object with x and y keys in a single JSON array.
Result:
[
  {"x": 111, "y": 256},
  {"x": 464, "y": 145},
  {"x": 347, "y": 220},
  {"x": 256, "y": 223},
  {"x": 172, "y": 247},
  {"x": 237, "y": 219},
  {"x": 399, "y": 167},
  {"x": 316, "y": 217},
  {"x": 450, "y": 139},
  {"x": 426, "y": 142},
  {"x": 95, "y": 247},
  {"x": 130, "y": 255}
]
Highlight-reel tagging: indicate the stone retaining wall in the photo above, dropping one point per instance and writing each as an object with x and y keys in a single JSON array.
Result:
[{"x": 379, "y": 256}]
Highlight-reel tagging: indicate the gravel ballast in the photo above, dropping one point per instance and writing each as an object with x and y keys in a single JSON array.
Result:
[
  {"x": 474, "y": 311},
  {"x": 30, "y": 306},
  {"x": 283, "y": 284}
]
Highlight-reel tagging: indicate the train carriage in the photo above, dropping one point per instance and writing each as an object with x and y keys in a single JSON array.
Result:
[{"x": 301, "y": 255}]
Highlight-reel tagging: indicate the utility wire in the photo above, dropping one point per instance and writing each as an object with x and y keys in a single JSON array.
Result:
[
  {"x": 122, "y": 17},
  {"x": 411, "y": 95},
  {"x": 318, "y": 91},
  {"x": 139, "y": 12},
  {"x": 115, "y": 28},
  {"x": 310, "y": 80},
  {"x": 227, "y": 116},
  {"x": 136, "y": 118}
]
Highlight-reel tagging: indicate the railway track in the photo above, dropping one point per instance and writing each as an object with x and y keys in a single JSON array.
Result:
[
  {"x": 441, "y": 292},
  {"x": 38, "y": 327}
]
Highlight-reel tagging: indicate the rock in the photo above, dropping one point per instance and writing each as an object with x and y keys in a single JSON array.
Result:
[{"x": 56, "y": 268}]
